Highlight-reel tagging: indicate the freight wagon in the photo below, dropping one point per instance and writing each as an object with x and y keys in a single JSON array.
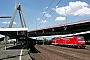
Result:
[{"x": 76, "y": 41}]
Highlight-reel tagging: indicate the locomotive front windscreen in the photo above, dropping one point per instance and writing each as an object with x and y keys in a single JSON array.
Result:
[{"x": 80, "y": 38}]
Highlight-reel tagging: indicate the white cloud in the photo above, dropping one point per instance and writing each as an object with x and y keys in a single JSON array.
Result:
[
  {"x": 38, "y": 18},
  {"x": 60, "y": 18},
  {"x": 74, "y": 8},
  {"x": 56, "y": 6},
  {"x": 47, "y": 14},
  {"x": 46, "y": 7},
  {"x": 3, "y": 14},
  {"x": 43, "y": 21},
  {"x": 44, "y": 12},
  {"x": 83, "y": 11},
  {"x": 5, "y": 22}
]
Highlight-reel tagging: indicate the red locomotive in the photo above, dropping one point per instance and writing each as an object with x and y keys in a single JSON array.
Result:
[{"x": 77, "y": 41}]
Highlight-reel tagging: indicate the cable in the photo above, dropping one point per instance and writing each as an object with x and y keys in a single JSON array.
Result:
[
  {"x": 44, "y": 13},
  {"x": 77, "y": 16},
  {"x": 30, "y": 12},
  {"x": 47, "y": 8},
  {"x": 86, "y": 17},
  {"x": 50, "y": 12},
  {"x": 25, "y": 18},
  {"x": 45, "y": 18},
  {"x": 74, "y": 17}
]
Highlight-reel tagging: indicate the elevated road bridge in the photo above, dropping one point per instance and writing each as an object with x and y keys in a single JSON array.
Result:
[
  {"x": 13, "y": 32},
  {"x": 69, "y": 28}
]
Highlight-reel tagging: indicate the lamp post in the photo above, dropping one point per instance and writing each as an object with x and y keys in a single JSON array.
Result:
[
  {"x": 66, "y": 15},
  {"x": 65, "y": 28}
]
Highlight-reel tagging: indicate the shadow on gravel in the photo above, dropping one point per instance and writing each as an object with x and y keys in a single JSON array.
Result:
[
  {"x": 34, "y": 50},
  {"x": 8, "y": 57}
]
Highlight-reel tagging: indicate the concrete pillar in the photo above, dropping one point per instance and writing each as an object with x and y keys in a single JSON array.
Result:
[
  {"x": 43, "y": 42},
  {"x": 5, "y": 42},
  {"x": 36, "y": 42},
  {"x": 17, "y": 39}
]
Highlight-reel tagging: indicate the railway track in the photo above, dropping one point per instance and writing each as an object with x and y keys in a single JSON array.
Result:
[
  {"x": 36, "y": 54},
  {"x": 60, "y": 53},
  {"x": 49, "y": 52},
  {"x": 72, "y": 52},
  {"x": 42, "y": 54},
  {"x": 83, "y": 51}
]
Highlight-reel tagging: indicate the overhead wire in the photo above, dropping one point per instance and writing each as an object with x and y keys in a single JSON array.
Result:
[
  {"x": 28, "y": 11},
  {"x": 50, "y": 12},
  {"x": 77, "y": 16},
  {"x": 44, "y": 13},
  {"x": 47, "y": 8},
  {"x": 72, "y": 18},
  {"x": 86, "y": 17}
]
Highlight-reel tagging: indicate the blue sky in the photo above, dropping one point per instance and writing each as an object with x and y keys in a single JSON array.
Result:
[{"x": 37, "y": 12}]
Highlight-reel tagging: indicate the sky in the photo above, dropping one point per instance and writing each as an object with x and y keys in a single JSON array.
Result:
[{"x": 44, "y": 13}]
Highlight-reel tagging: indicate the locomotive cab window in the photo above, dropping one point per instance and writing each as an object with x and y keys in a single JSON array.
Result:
[{"x": 80, "y": 38}]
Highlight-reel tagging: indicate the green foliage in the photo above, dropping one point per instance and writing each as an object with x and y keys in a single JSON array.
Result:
[
  {"x": 45, "y": 40},
  {"x": 28, "y": 51},
  {"x": 1, "y": 42},
  {"x": 22, "y": 59}
]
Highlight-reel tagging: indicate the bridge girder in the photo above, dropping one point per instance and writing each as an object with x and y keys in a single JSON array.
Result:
[{"x": 70, "y": 29}]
